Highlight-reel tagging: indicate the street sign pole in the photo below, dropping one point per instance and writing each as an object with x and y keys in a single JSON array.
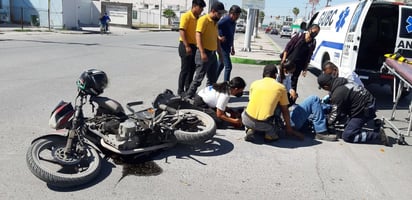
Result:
[
  {"x": 251, "y": 15},
  {"x": 253, "y": 7}
]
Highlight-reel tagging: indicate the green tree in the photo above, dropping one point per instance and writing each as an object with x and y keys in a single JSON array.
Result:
[
  {"x": 169, "y": 14},
  {"x": 261, "y": 16},
  {"x": 295, "y": 11}
]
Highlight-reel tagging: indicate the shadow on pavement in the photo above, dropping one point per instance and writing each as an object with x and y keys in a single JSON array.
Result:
[
  {"x": 213, "y": 147},
  {"x": 286, "y": 141}
]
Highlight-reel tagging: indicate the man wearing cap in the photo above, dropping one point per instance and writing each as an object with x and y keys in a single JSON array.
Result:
[
  {"x": 207, "y": 45},
  {"x": 264, "y": 96},
  {"x": 356, "y": 102},
  {"x": 227, "y": 28},
  {"x": 187, "y": 44}
]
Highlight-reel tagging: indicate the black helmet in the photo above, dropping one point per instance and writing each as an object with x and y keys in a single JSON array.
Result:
[{"x": 92, "y": 82}]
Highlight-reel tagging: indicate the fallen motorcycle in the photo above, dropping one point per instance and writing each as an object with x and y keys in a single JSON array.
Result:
[{"x": 71, "y": 155}]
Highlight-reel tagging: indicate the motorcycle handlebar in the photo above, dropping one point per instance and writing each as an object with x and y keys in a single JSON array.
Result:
[
  {"x": 135, "y": 103},
  {"x": 167, "y": 108}
]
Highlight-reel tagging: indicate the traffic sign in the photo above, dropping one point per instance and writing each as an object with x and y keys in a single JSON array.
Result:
[{"x": 253, "y": 4}]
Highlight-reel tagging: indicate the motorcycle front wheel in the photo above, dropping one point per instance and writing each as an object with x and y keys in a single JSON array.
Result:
[
  {"x": 47, "y": 160},
  {"x": 198, "y": 127}
]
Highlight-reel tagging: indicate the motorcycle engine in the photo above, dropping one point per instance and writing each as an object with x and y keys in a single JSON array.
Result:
[{"x": 127, "y": 136}]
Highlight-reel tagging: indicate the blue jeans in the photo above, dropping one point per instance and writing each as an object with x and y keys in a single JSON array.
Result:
[
  {"x": 203, "y": 69},
  {"x": 310, "y": 109},
  {"x": 227, "y": 64}
]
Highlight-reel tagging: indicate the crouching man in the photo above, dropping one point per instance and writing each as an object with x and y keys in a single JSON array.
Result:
[
  {"x": 356, "y": 102},
  {"x": 264, "y": 95}
]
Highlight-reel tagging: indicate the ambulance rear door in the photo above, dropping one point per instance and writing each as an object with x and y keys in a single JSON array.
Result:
[{"x": 353, "y": 37}]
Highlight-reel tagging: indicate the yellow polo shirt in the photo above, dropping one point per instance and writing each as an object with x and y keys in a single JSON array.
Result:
[
  {"x": 264, "y": 96},
  {"x": 208, "y": 28},
  {"x": 188, "y": 23}
]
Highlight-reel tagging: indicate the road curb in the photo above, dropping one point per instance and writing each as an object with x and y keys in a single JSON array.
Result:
[{"x": 253, "y": 61}]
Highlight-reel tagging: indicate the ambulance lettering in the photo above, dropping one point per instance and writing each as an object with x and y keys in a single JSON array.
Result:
[
  {"x": 405, "y": 45},
  {"x": 326, "y": 18}
]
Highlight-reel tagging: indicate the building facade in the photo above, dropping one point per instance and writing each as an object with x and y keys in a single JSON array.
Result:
[{"x": 72, "y": 14}]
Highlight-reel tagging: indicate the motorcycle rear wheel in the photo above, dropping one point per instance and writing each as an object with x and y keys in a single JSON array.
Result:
[
  {"x": 45, "y": 160},
  {"x": 200, "y": 129}
]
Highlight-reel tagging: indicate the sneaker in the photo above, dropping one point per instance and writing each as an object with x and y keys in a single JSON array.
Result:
[
  {"x": 384, "y": 138},
  {"x": 250, "y": 135},
  {"x": 377, "y": 124},
  {"x": 326, "y": 137},
  {"x": 271, "y": 138}
]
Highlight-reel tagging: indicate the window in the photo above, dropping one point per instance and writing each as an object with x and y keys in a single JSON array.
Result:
[
  {"x": 358, "y": 12},
  {"x": 134, "y": 14}
]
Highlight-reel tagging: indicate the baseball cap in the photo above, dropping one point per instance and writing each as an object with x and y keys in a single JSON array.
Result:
[{"x": 218, "y": 7}]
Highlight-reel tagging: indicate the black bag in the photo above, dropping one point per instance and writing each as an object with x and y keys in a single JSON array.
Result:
[{"x": 169, "y": 99}]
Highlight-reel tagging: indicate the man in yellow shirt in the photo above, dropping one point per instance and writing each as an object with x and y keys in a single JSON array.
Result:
[
  {"x": 207, "y": 45},
  {"x": 264, "y": 96},
  {"x": 187, "y": 45}
]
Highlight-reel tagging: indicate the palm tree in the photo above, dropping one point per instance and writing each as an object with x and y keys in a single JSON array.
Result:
[
  {"x": 295, "y": 12},
  {"x": 169, "y": 14}
]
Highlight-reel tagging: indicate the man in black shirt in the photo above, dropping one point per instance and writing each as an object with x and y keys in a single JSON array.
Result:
[{"x": 356, "y": 102}]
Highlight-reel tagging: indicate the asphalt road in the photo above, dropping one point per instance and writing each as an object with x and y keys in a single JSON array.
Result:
[{"x": 40, "y": 69}]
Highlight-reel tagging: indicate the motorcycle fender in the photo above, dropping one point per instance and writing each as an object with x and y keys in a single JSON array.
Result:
[
  {"x": 63, "y": 133},
  {"x": 57, "y": 133}
]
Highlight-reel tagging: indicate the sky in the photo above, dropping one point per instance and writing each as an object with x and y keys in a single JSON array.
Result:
[{"x": 284, "y": 7}]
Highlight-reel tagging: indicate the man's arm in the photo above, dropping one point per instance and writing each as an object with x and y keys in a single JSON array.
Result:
[
  {"x": 292, "y": 42},
  {"x": 200, "y": 46},
  {"x": 219, "y": 50},
  {"x": 237, "y": 122},
  {"x": 182, "y": 33},
  {"x": 289, "y": 129},
  {"x": 337, "y": 102}
]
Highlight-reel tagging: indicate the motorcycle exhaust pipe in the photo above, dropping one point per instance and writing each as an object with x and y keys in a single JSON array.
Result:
[
  {"x": 138, "y": 150},
  {"x": 167, "y": 108}
]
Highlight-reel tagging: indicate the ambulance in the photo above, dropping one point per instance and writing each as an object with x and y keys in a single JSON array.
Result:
[{"x": 356, "y": 36}]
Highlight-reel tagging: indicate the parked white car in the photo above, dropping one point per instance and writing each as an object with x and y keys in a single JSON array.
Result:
[
  {"x": 240, "y": 28},
  {"x": 175, "y": 26}
]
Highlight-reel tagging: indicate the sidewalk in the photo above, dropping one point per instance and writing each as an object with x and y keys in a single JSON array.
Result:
[{"x": 263, "y": 50}]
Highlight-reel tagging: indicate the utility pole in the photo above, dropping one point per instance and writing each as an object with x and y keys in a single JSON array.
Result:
[
  {"x": 160, "y": 15},
  {"x": 48, "y": 14}
]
